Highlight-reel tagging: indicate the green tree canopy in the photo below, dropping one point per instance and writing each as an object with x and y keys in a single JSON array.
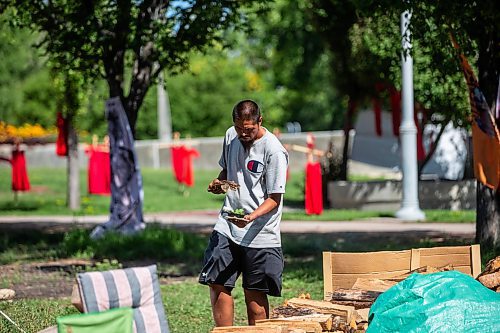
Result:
[{"x": 127, "y": 42}]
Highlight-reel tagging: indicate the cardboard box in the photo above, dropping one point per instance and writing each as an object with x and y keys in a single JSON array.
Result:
[{"x": 341, "y": 269}]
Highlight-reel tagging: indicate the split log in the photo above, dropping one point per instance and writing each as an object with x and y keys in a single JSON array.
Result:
[
  {"x": 355, "y": 304},
  {"x": 345, "y": 312},
  {"x": 354, "y": 295},
  {"x": 285, "y": 311},
  {"x": 492, "y": 266},
  {"x": 491, "y": 281},
  {"x": 325, "y": 321},
  {"x": 379, "y": 285},
  {"x": 490, "y": 277},
  {"x": 358, "y": 299}
]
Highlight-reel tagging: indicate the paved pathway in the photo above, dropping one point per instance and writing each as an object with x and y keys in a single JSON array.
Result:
[{"x": 204, "y": 221}]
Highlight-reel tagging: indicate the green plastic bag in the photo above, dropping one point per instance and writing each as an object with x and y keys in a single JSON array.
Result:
[
  {"x": 439, "y": 302},
  {"x": 111, "y": 321}
]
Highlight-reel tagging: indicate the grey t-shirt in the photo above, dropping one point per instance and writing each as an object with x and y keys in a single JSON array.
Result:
[{"x": 260, "y": 171}]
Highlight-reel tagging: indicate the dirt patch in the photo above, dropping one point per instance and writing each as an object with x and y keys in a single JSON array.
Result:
[
  {"x": 55, "y": 279},
  {"x": 29, "y": 281}
]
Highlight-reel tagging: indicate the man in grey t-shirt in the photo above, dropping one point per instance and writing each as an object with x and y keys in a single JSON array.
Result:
[{"x": 253, "y": 158}]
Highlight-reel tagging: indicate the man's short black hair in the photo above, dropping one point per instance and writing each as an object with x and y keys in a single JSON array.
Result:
[{"x": 246, "y": 110}]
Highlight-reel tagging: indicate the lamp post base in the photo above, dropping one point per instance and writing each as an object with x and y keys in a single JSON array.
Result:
[{"x": 410, "y": 214}]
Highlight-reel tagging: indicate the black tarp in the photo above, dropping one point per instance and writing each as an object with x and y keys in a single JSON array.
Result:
[{"x": 126, "y": 182}]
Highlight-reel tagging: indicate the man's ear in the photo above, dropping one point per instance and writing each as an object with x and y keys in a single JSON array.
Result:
[{"x": 260, "y": 120}]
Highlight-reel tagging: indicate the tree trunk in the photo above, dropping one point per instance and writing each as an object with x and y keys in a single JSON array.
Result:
[
  {"x": 351, "y": 109},
  {"x": 73, "y": 189},
  {"x": 487, "y": 218},
  {"x": 487, "y": 201},
  {"x": 421, "y": 165},
  {"x": 469, "y": 161}
]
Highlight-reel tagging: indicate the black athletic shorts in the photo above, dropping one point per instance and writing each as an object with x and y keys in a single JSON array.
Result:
[{"x": 225, "y": 260}]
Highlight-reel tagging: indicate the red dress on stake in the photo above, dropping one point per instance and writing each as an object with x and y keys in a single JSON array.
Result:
[
  {"x": 20, "y": 181},
  {"x": 99, "y": 171},
  {"x": 182, "y": 164},
  {"x": 177, "y": 155},
  {"x": 314, "y": 189},
  {"x": 188, "y": 174}
]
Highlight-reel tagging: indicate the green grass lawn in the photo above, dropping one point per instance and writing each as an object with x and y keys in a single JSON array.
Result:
[
  {"x": 162, "y": 194},
  {"x": 186, "y": 302}
]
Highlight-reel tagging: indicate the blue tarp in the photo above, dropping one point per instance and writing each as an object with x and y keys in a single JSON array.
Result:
[{"x": 439, "y": 302}]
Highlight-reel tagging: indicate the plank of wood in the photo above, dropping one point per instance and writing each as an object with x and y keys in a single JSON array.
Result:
[
  {"x": 379, "y": 285},
  {"x": 303, "y": 149},
  {"x": 307, "y": 326},
  {"x": 370, "y": 262},
  {"x": 251, "y": 329},
  {"x": 324, "y": 320},
  {"x": 327, "y": 274},
  {"x": 76, "y": 298},
  {"x": 444, "y": 250},
  {"x": 348, "y": 280},
  {"x": 323, "y": 307},
  {"x": 475, "y": 254}
]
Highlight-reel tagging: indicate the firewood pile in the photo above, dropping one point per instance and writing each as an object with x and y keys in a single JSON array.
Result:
[
  {"x": 344, "y": 310},
  {"x": 490, "y": 277}
]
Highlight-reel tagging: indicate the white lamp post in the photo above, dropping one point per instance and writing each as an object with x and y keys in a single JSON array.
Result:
[
  {"x": 164, "y": 118},
  {"x": 410, "y": 209}
]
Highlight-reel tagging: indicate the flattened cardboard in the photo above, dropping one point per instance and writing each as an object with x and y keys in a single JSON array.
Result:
[{"x": 342, "y": 269}]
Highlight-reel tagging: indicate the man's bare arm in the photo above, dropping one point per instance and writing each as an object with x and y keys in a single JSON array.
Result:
[{"x": 268, "y": 205}]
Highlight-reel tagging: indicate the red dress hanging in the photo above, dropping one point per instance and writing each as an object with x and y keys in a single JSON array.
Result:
[
  {"x": 182, "y": 164},
  {"x": 188, "y": 171},
  {"x": 314, "y": 189},
  {"x": 99, "y": 171},
  {"x": 177, "y": 155},
  {"x": 20, "y": 181},
  {"x": 62, "y": 136}
]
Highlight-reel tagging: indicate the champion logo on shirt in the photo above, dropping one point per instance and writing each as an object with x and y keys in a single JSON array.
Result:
[{"x": 255, "y": 166}]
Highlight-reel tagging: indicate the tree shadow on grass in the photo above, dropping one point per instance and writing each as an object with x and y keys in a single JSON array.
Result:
[
  {"x": 24, "y": 206},
  {"x": 293, "y": 203}
]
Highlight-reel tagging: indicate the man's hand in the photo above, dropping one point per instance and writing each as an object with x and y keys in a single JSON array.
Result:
[
  {"x": 238, "y": 221},
  {"x": 215, "y": 187}
]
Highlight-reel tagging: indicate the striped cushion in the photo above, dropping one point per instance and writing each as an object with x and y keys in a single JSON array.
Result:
[{"x": 135, "y": 287}]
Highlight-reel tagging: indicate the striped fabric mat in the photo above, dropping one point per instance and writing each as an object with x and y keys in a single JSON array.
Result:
[{"x": 135, "y": 287}]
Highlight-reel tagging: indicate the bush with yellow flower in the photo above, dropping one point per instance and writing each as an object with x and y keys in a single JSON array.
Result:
[{"x": 26, "y": 133}]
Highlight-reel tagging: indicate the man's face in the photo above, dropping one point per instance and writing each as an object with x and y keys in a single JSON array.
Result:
[{"x": 247, "y": 130}]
